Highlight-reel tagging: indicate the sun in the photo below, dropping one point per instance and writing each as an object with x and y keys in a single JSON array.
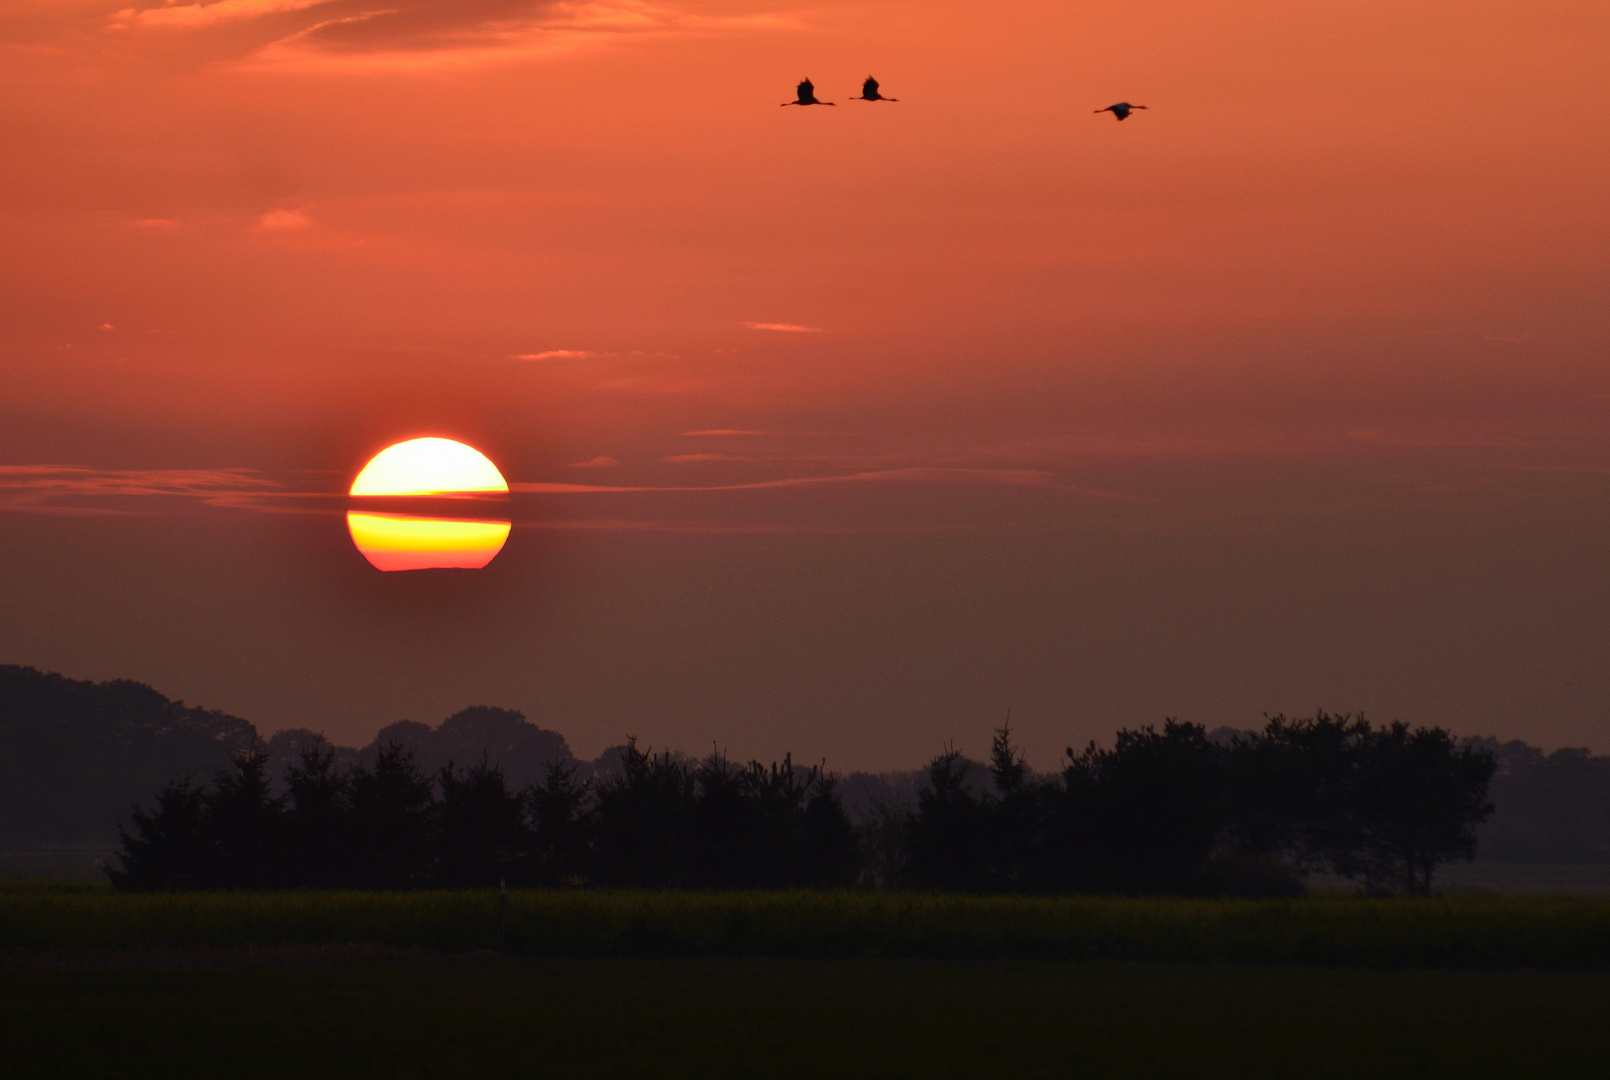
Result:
[
  {"x": 426, "y": 471},
  {"x": 429, "y": 466}
]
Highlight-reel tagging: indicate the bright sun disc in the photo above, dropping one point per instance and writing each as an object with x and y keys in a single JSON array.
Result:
[
  {"x": 428, "y": 467},
  {"x": 421, "y": 469}
]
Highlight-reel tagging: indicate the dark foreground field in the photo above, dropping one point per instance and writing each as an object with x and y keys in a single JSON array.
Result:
[
  {"x": 365, "y": 1013},
  {"x": 1459, "y": 932},
  {"x": 640, "y": 984}
]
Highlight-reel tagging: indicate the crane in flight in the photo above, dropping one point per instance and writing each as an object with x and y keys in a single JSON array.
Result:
[
  {"x": 1120, "y": 110},
  {"x": 807, "y": 96},
  {"x": 869, "y": 92}
]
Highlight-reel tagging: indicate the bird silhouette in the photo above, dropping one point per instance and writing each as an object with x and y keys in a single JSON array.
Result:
[
  {"x": 869, "y": 92},
  {"x": 807, "y": 96},
  {"x": 1120, "y": 110}
]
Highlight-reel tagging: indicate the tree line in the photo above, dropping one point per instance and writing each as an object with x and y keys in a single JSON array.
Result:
[
  {"x": 659, "y": 822},
  {"x": 1168, "y": 811}
]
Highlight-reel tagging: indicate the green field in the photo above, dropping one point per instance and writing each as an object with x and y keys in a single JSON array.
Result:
[
  {"x": 643, "y": 984},
  {"x": 313, "y": 1013},
  {"x": 1466, "y": 931}
]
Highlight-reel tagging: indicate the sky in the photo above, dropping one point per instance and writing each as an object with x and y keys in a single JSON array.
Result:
[{"x": 842, "y": 431}]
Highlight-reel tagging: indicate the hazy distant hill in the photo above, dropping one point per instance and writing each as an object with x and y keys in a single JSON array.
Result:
[
  {"x": 1552, "y": 808},
  {"x": 503, "y": 736},
  {"x": 74, "y": 756}
]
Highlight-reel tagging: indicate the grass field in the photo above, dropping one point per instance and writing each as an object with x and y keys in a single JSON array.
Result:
[
  {"x": 594, "y": 983},
  {"x": 1458, "y": 931},
  {"x": 326, "y": 1014}
]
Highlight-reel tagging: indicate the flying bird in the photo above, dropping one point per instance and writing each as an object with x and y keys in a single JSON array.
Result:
[
  {"x": 807, "y": 96},
  {"x": 1120, "y": 110},
  {"x": 869, "y": 92}
]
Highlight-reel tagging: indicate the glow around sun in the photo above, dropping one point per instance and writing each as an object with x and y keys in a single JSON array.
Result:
[
  {"x": 428, "y": 467},
  {"x": 421, "y": 468}
]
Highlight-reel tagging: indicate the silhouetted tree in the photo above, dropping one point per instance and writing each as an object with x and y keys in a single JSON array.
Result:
[
  {"x": 243, "y": 825},
  {"x": 318, "y": 820},
  {"x": 562, "y": 824},
  {"x": 1292, "y": 787},
  {"x": 796, "y": 832},
  {"x": 881, "y": 843},
  {"x": 481, "y": 833},
  {"x": 724, "y": 842},
  {"x": 1017, "y": 816},
  {"x": 716, "y": 825},
  {"x": 826, "y": 856},
  {"x": 167, "y": 849},
  {"x": 391, "y": 821},
  {"x": 1418, "y": 799},
  {"x": 1144, "y": 816},
  {"x": 946, "y": 836},
  {"x": 644, "y": 818}
]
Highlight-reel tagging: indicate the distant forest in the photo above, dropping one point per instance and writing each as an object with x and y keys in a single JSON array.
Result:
[{"x": 486, "y": 794}]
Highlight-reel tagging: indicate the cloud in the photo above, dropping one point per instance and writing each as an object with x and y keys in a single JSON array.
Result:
[
  {"x": 555, "y": 354},
  {"x": 74, "y": 489},
  {"x": 684, "y": 459},
  {"x": 78, "y": 490},
  {"x": 283, "y": 220},
  {"x": 193, "y": 16},
  {"x": 733, "y": 528},
  {"x": 785, "y": 328},
  {"x": 359, "y": 35},
  {"x": 721, "y": 431},
  {"x": 1022, "y": 478}
]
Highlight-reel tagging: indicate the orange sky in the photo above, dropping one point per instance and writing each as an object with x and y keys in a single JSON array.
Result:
[{"x": 1289, "y": 391}]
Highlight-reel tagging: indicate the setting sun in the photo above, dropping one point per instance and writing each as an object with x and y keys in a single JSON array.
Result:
[
  {"x": 428, "y": 466},
  {"x": 425, "y": 468},
  {"x": 397, "y": 542}
]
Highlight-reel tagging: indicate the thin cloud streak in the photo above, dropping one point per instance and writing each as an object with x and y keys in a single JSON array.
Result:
[
  {"x": 64, "y": 488},
  {"x": 38, "y": 486},
  {"x": 197, "y": 16},
  {"x": 284, "y": 220},
  {"x": 784, "y": 328},
  {"x": 1022, "y": 478},
  {"x": 434, "y": 35},
  {"x": 75, "y": 489},
  {"x": 746, "y": 528},
  {"x": 555, "y": 354}
]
